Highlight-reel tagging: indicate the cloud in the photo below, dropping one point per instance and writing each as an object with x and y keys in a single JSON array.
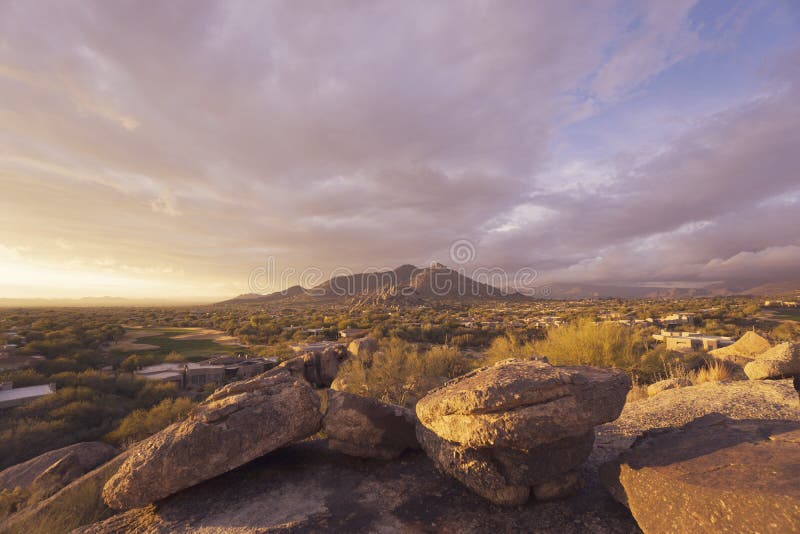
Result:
[{"x": 206, "y": 135}]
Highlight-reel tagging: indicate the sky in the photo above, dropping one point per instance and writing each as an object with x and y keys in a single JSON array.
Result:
[{"x": 174, "y": 149}]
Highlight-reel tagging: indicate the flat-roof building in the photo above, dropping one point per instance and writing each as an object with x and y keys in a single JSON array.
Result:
[{"x": 11, "y": 396}]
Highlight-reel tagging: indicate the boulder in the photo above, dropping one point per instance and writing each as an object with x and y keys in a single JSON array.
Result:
[
  {"x": 713, "y": 474},
  {"x": 318, "y": 368},
  {"x": 78, "y": 503},
  {"x": 48, "y": 472},
  {"x": 518, "y": 401},
  {"x": 368, "y": 428},
  {"x": 237, "y": 423},
  {"x": 363, "y": 347},
  {"x": 519, "y": 426},
  {"x": 778, "y": 362},
  {"x": 670, "y": 383},
  {"x": 744, "y": 350}
]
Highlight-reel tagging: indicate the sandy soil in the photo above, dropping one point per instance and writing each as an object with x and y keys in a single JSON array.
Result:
[{"x": 129, "y": 340}]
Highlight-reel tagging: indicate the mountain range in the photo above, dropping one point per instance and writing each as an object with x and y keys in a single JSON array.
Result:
[{"x": 412, "y": 285}]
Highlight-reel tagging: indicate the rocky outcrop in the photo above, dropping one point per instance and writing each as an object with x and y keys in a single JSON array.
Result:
[
  {"x": 363, "y": 347},
  {"x": 236, "y": 424},
  {"x": 778, "y": 362},
  {"x": 670, "y": 383},
  {"x": 47, "y": 473},
  {"x": 714, "y": 474},
  {"x": 744, "y": 350},
  {"x": 317, "y": 368},
  {"x": 519, "y": 426},
  {"x": 78, "y": 503},
  {"x": 306, "y": 487},
  {"x": 368, "y": 428}
]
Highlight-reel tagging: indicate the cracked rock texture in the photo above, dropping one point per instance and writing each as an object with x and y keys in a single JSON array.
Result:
[{"x": 236, "y": 424}]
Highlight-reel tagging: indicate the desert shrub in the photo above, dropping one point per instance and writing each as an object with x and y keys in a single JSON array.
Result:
[
  {"x": 137, "y": 361},
  {"x": 11, "y": 501},
  {"x": 786, "y": 331},
  {"x": 23, "y": 378},
  {"x": 140, "y": 424},
  {"x": 508, "y": 346},
  {"x": 585, "y": 342},
  {"x": 637, "y": 392},
  {"x": 174, "y": 357},
  {"x": 713, "y": 372},
  {"x": 400, "y": 373},
  {"x": 154, "y": 392}
]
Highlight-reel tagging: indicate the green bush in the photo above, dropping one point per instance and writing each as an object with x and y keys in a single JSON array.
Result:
[
  {"x": 140, "y": 424},
  {"x": 585, "y": 342},
  {"x": 399, "y": 373}
]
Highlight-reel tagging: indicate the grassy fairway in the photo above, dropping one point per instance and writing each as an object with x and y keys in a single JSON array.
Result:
[{"x": 193, "y": 349}]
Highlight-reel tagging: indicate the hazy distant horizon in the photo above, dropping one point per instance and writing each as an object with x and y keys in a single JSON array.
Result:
[{"x": 168, "y": 150}]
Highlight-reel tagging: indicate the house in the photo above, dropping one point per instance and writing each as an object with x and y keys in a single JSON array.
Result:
[
  {"x": 238, "y": 367},
  {"x": 11, "y": 396},
  {"x": 688, "y": 341},
  {"x": 674, "y": 320},
  {"x": 183, "y": 375},
  {"x": 352, "y": 333}
]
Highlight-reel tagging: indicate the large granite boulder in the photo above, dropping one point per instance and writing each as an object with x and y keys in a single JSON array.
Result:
[
  {"x": 778, "y": 362},
  {"x": 368, "y": 428},
  {"x": 519, "y": 426},
  {"x": 318, "y": 368},
  {"x": 237, "y": 423},
  {"x": 744, "y": 350},
  {"x": 713, "y": 474},
  {"x": 669, "y": 383},
  {"x": 48, "y": 472},
  {"x": 363, "y": 347}
]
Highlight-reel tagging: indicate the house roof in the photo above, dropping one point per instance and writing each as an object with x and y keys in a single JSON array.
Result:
[{"x": 26, "y": 392}]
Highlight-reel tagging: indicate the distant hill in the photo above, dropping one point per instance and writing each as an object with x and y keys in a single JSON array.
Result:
[
  {"x": 789, "y": 288},
  {"x": 411, "y": 285},
  {"x": 405, "y": 285}
]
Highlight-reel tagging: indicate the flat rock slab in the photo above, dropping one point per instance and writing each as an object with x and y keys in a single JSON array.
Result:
[
  {"x": 714, "y": 474},
  {"x": 306, "y": 487}
]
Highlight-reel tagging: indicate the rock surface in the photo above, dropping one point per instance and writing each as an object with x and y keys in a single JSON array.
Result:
[
  {"x": 306, "y": 487},
  {"x": 670, "y": 383},
  {"x": 743, "y": 399},
  {"x": 237, "y": 423},
  {"x": 363, "y": 347},
  {"x": 368, "y": 428},
  {"x": 714, "y": 474},
  {"x": 78, "y": 503},
  {"x": 518, "y": 425},
  {"x": 317, "y": 368},
  {"x": 778, "y": 362},
  {"x": 744, "y": 350},
  {"x": 48, "y": 472}
]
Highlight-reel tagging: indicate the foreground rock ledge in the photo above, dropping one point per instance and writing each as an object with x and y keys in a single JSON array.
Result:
[
  {"x": 519, "y": 426},
  {"x": 236, "y": 424},
  {"x": 714, "y": 474}
]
